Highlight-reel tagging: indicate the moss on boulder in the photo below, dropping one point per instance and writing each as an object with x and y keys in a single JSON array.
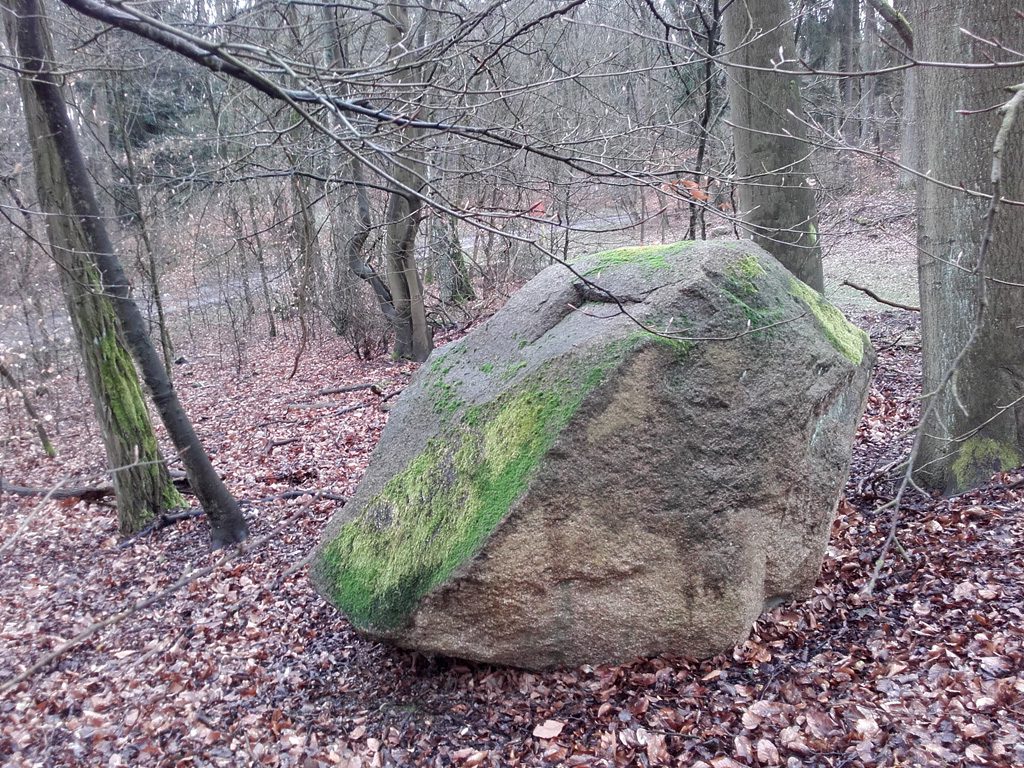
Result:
[
  {"x": 434, "y": 515},
  {"x": 847, "y": 338},
  {"x": 565, "y": 486}
]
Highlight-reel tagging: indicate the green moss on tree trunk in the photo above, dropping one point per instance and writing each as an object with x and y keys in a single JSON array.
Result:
[{"x": 141, "y": 481}]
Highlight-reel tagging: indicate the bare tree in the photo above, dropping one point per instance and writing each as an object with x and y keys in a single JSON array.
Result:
[
  {"x": 140, "y": 477},
  {"x": 75, "y": 215}
]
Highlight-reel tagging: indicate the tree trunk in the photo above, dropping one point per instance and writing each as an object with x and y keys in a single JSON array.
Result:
[
  {"x": 149, "y": 267},
  {"x": 399, "y": 291},
  {"x": 977, "y": 423},
  {"x": 33, "y": 415},
  {"x": 413, "y": 338},
  {"x": 848, "y": 28},
  {"x": 870, "y": 86},
  {"x": 772, "y": 167},
  {"x": 139, "y": 474},
  {"x": 75, "y": 219},
  {"x": 910, "y": 140},
  {"x": 452, "y": 271}
]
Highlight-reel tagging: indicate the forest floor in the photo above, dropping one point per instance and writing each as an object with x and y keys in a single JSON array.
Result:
[{"x": 247, "y": 665}]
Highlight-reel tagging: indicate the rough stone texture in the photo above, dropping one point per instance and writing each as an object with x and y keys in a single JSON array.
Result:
[{"x": 563, "y": 487}]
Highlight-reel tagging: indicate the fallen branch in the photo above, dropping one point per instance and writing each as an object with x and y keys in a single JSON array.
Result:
[
  {"x": 296, "y": 493},
  {"x": 350, "y": 388},
  {"x": 85, "y": 492},
  {"x": 160, "y": 522},
  {"x": 91, "y": 493},
  {"x": 327, "y": 404},
  {"x": 879, "y": 299},
  {"x": 272, "y": 444},
  {"x": 351, "y": 408}
]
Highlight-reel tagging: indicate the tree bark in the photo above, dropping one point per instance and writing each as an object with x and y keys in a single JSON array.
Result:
[
  {"x": 775, "y": 201},
  {"x": 76, "y": 213},
  {"x": 977, "y": 422},
  {"x": 910, "y": 143},
  {"x": 413, "y": 338},
  {"x": 37, "y": 423},
  {"x": 848, "y": 27},
  {"x": 138, "y": 471},
  {"x": 452, "y": 271}
]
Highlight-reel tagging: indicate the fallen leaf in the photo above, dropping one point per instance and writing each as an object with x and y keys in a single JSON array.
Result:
[
  {"x": 549, "y": 729},
  {"x": 767, "y": 753}
]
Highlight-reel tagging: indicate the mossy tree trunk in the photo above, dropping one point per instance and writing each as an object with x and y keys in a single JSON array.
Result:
[
  {"x": 772, "y": 166},
  {"x": 98, "y": 295},
  {"x": 977, "y": 424},
  {"x": 140, "y": 478}
]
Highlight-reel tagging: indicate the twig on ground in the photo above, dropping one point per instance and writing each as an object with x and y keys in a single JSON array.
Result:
[
  {"x": 879, "y": 299},
  {"x": 296, "y": 493},
  {"x": 350, "y": 388},
  {"x": 160, "y": 522},
  {"x": 327, "y": 404},
  {"x": 272, "y": 444}
]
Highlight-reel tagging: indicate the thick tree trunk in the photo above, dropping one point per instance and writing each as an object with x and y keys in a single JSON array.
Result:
[
  {"x": 139, "y": 473},
  {"x": 977, "y": 424},
  {"x": 62, "y": 169},
  {"x": 774, "y": 198}
]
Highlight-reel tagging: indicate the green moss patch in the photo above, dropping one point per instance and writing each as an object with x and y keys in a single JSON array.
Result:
[
  {"x": 680, "y": 347},
  {"x": 742, "y": 288},
  {"x": 434, "y": 516},
  {"x": 444, "y": 393},
  {"x": 653, "y": 257},
  {"x": 512, "y": 369},
  {"x": 847, "y": 338},
  {"x": 742, "y": 275},
  {"x": 981, "y": 457}
]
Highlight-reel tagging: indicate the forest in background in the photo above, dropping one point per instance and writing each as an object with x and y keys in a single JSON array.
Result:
[{"x": 481, "y": 144}]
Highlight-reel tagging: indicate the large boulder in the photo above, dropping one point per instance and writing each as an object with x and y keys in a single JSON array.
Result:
[{"x": 585, "y": 479}]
